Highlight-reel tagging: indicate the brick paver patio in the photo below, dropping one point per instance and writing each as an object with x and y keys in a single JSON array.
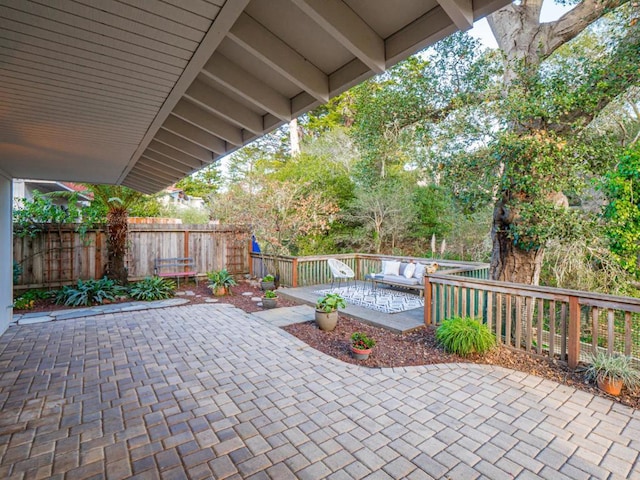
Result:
[{"x": 207, "y": 391}]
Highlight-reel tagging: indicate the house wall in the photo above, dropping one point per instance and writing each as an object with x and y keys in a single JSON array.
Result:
[{"x": 6, "y": 254}]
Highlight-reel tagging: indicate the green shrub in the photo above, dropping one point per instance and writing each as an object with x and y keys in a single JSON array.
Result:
[
  {"x": 90, "y": 292},
  {"x": 152, "y": 288},
  {"x": 464, "y": 336},
  {"x": 361, "y": 341},
  {"x": 330, "y": 303},
  {"x": 270, "y": 294},
  {"x": 612, "y": 367},
  {"x": 27, "y": 300},
  {"x": 220, "y": 279},
  {"x": 268, "y": 278}
]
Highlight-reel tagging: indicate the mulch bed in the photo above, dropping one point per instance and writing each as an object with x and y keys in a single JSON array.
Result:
[
  {"x": 201, "y": 293},
  {"x": 420, "y": 347}
]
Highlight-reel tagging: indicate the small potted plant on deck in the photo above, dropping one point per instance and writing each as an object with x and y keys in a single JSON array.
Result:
[
  {"x": 361, "y": 345},
  {"x": 327, "y": 311},
  {"x": 268, "y": 283},
  {"x": 220, "y": 281},
  {"x": 270, "y": 299},
  {"x": 612, "y": 372}
]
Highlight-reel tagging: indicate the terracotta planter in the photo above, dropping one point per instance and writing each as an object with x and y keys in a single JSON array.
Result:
[
  {"x": 219, "y": 291},
  {"x": 326, "y": 321},
  {"x": 269, "y": 302},
  {"x": 610, "y": 386},
  {"x": 360, "y": 354}
]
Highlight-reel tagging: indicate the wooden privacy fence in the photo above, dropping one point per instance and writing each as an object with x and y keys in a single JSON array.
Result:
[
  {"x": 61, "y": 255},
  {"x": 558, "y": 323}
]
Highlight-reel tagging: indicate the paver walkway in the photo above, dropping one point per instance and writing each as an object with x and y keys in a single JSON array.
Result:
[{"x": 206, "y": 391}]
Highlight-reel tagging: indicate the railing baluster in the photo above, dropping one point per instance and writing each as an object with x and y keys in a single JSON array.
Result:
[
  {"x": 594, "y": 329},
  {"x": 518, "y": 341},
  {"x": 611, "y": 330},
  {"x": 456, "y": 302},
  {"x": 552, "y": 328},
  {"x": 528, "y": 306},
  {"x": 627, "y": 334},
  {"x": 540, "y": 325},
  {"x": 563, "y": 331},
  {"x": 507, "y": 321},
  {"x": 490, "y": 310},
  {"x": 441, "y": 304},
  {"x": 472, "y": 302},
  {"x": 499, "y": 317}
]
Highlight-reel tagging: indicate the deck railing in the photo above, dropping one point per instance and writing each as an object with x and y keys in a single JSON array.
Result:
[
  {"x": 554, "y": 322},
  {"x": 567, "y": 325},
  {"x": 314, "y": 270}
]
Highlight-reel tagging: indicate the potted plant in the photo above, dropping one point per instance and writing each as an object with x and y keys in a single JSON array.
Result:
[
  {"x": 270, "y": 299},
  {"x": 612, "y": 372},
  {"x": 220, "y": 281},
  {"x": 361, "y": 345},
  {"x": 268, "y": 283},
  {"x": 327, "y": 311}
]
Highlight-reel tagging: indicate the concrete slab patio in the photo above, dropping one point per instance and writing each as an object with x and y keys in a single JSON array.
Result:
[{"x": 207, "y": 391}]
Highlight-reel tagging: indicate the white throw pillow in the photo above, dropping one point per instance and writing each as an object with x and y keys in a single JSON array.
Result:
[
  {"x": 391, "y": 268},
  {"x": 410, "y": 270},
  {"x": 419, "y": 273}
]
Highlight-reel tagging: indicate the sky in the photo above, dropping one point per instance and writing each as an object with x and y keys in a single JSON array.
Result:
[{"x": 550, "y": 11}]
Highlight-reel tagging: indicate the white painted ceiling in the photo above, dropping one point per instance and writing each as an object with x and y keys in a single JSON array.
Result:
[{"x": 144, "y": 92}]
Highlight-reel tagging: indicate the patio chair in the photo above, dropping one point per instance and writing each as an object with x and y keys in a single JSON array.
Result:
[{"x": 340, "y": 271}]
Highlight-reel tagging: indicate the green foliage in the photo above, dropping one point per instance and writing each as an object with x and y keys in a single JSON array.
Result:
[
  {"x": 612, "y": 367},
  {"x": 435, "y": 212},
  {"x": 152, "y": 288},
  {"x": 268, "y": 278},
  {"x": 464, "y": 336},
  {"x": 220, "y": 279},
  {"x": 361, "y": 341},
  {"x": 622, "y": 214},
  {"x": 270, "y": 294},
  {"x": 31, "y": 217},
  {"x": 90, "y": 292},
  {"x": 27, "y": 300},
  {"x": 330, "y": 303},
  {"x": 17, "y": 271},
  {"x": 203, "y": 183}
]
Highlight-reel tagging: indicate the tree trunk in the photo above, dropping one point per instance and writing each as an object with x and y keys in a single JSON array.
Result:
[
  {"x": 508, "y": 262},
  {"x": 527, "y": 42},
  {"x": 117, "y": 230}
]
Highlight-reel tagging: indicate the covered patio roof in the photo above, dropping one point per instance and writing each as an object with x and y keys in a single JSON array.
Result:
[{"x": 143, "y": 92}]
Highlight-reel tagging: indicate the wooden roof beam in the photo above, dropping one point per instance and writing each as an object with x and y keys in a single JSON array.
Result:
[
  {"x": 195, "y": 135},
  {"x": 343, "y": 24},
  {"x": 460, "y": 12},
  {"x": 264, "y": 45},
  {"x": 209, "y": 122},
  {"x": 226, "y": 73}
]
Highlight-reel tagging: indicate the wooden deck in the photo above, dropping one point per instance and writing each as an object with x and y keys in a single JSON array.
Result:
[{"x": 396, "y": 322}]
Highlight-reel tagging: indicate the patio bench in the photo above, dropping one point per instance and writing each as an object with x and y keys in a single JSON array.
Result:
[{"x": 178, "y": 267}]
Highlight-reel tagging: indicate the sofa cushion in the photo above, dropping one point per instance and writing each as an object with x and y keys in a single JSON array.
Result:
[
  {"x": 391, "y": 268},
  {"x": 401, "y": 280},
  {"x": 419, "y": 273},
  {"x": 409, "y": 270},
  {"x": 402, "y": 268}
]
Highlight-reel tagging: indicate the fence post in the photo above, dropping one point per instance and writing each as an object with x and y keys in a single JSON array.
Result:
[
  {"x": 427, "y": 300},
  {"x": 573, "y": 342},
  {"x": 294, "y": 273}
]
